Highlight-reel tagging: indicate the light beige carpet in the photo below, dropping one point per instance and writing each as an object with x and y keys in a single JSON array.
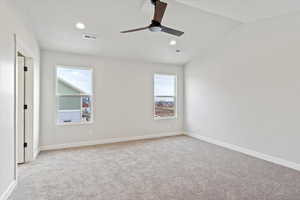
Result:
[{"x": 173, "y": 168}]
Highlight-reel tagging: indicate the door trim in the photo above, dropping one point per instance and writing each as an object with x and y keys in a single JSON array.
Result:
[
  {"x": 29, "y": 62},
  {"x": 20, "y": 84}
]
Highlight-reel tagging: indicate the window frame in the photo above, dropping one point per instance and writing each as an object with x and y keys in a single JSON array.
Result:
[
  {"x": 175, "y": 97},
  {"x": 56, "y": 96}
]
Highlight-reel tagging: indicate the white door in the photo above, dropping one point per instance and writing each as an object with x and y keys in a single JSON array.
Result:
[{"x": 20, "y": 109}]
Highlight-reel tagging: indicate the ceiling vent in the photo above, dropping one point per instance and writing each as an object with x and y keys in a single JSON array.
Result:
[{"x": 89, "y": 37}]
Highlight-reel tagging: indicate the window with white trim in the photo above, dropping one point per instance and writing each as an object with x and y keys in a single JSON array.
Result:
[
  {"x": 165, "y": 96},
  {"x": 74, "y": 93}
]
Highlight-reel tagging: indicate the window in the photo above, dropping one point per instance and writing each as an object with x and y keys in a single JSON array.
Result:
[
  {"x": 164, "y": 96},
  {"x": 74, "y": 95}
]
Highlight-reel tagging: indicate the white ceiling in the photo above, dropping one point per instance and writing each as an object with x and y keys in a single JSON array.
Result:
[
  {"x": 246, "y": 10},
  {"x": 54, "y": 24}
]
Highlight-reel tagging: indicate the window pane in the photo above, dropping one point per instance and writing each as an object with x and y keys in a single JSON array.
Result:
[
  {"x": 165, "y": 106},
  {"x": 69, "y": 116},
  {"x": 69, "y": 109},
  {"x": 165, "y": 95},
  {"x": 164, "y": 85},
  {"x": 74, "y": 90},
  {"x": 72, "y": 81},
  {"x": 69, "y": 103}
]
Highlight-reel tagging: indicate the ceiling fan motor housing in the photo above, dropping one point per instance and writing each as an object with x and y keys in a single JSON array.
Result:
[{"x": 155, "y": 26}]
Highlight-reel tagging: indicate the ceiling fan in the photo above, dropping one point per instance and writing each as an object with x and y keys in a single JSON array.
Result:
[{"x": 155, "y": 26}]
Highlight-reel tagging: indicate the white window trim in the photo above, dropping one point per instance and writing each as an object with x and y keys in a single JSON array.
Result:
[
  {"x": 176, "y": 96},
  {"x": 57, "y": 95}
]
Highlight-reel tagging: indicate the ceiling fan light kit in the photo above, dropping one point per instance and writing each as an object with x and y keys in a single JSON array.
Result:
[{"x": 155, "y": 26}]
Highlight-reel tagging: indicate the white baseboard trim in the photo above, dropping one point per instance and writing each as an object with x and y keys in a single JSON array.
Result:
[
  {"x": 9, "y": 190},
  {"x": 106, "y": 141},
  {"x": 275, "y": 160}
]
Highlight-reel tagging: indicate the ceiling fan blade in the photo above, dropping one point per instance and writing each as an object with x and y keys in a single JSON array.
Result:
[
  {"x": 134, "y": 30},
  {"x": 171, "y": 31},
  {"x": 160, "y": 8}
]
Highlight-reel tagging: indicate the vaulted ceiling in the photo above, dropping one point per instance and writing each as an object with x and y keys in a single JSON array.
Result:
[
  {"x": 204, "y": 22},
  {"x": 245, "y": 10}
]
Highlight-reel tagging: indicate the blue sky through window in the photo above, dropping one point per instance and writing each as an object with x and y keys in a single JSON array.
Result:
[{"x": 164, "y": 85}]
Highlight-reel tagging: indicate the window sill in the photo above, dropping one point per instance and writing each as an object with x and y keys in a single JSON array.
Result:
[
  {"x": 165, "y": 118},
  {"x": 74, "y": 123}
]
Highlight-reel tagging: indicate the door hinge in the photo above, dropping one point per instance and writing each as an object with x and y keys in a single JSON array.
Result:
[
  {"x": 25, "y": 144},
  {"x": 25, "y": 107},
  {"x": 25, "y": 69}
]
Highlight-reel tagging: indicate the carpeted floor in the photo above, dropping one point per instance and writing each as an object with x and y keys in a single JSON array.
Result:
[{"x": 173, "y": 168}]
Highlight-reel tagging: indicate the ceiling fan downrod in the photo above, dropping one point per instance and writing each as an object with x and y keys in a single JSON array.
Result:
[{"x": 154, "y": 2}]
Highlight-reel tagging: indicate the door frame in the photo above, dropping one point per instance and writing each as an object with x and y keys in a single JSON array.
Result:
[
  {"x": 21, "y": 48},
  {"x": 21, "y": 113}
]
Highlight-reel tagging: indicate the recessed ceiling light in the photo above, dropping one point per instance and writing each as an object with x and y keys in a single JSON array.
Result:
[
  {"x": 80, "y": 26},
  {"x": 173, "y": 42},
  {"x": 178, "y": 51}
]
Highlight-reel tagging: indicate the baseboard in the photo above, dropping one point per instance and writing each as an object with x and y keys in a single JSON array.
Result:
[
  {"x": 9, "y": 190},
  {"x": 106, "y": 141},
  {"x": 275, "y": 160}
]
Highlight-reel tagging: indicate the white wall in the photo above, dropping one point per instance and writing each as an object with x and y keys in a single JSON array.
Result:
[
  {"x": 11, "y": 23},
  {"x": 247, "y": 92},
  {"x": 123, "y": 100}
]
